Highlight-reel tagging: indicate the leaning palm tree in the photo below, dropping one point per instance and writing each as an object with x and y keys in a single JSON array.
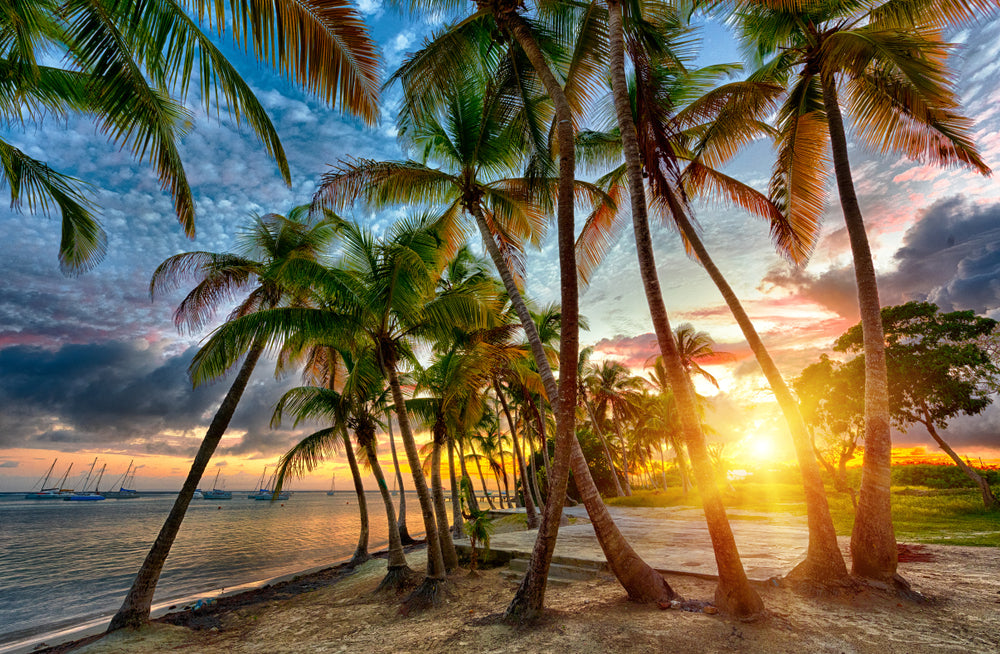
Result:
[
  {"x": 130, "y": 65},
  {"x": 357, "y": 405},
  {"x": 891, "y": 65},
  {"x": 253, "y": 276},
  {"x": 711, "y": 123},
  {"x": 381, "y": 292},
  {"x": 734, "y": 593}
]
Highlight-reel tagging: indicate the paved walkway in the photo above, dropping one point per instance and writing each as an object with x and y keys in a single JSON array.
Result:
[{"x": 675, "y": 539}]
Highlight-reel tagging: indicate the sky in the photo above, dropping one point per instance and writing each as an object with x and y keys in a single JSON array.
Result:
[{"x": 91, "y": 367}]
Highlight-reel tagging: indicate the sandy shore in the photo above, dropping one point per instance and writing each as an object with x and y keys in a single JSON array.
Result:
[{"x": 336, "y": 611}]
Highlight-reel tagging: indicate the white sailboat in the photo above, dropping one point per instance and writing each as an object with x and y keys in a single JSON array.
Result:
[
  {"x": 333, "y": 483},
  {"x": 56, "y": 492},
  {"x": 266, "y": 492},
  {"x": 86, "y": 495},
  {"x": 125, "y": 485},
  {"x": 217, "y": 493}
]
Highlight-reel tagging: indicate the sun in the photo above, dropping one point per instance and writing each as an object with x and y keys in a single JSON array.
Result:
[{"x": 761, "y": 448}]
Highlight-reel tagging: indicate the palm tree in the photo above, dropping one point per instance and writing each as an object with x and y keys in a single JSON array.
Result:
[
  {"x": 708, "y": 129},
  {"x": 361, "y": 399},
  {"x": 892, "y": 65},
  {"x": 384, "y": 293},
  {"x": 404, "y": 533},
  {"x": 131, "y": 65},
  {"x": 268, "y": 246},
  {"x": 613, "y": 386},
  {"x": 586, "y": 381},
  {"x": 734, "y": 593}
]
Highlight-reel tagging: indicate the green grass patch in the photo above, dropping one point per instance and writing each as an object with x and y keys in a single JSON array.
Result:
[{"x": 951, "y": 516}]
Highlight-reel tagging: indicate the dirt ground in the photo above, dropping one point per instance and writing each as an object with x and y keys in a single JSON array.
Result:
[{"x": 336, "y": 611}]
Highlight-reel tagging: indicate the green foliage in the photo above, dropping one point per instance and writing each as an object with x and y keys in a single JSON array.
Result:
[{"x": 940, "y": 476}]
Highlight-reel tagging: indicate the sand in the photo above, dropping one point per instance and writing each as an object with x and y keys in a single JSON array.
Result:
[{"x": 336, "y": 611}]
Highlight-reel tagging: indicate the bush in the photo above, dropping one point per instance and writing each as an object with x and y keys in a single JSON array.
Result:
[{"x": 939, "y": 475}]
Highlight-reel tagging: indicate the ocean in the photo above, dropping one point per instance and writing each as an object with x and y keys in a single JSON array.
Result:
[{"x": 70, "y": 564}]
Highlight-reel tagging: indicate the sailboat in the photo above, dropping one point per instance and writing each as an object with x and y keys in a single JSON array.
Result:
[
  {"x": 333, "y": 482},
  {"x": 124, "y": 484},
  {"x": 85, "y": 495},
  {"x": 217, "y": 493},
  {"x": 56, "y": 492},
  {"x": 266, "y": 492}
]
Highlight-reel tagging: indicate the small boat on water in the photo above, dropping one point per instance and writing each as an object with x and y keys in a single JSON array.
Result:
[
  {"x": 56, "y": 492},
  {"x": 124, "y": 484},
  {"x": 266, "y": 492},
  {"x": 333, "y": 482},
  {"x": 87, "y": 495},
  {"x": 198, "y": 495},
  {"x": 217, "y": 493}
]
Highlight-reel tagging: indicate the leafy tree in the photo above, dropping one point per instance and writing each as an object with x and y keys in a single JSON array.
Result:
[
  {"x": 937, "y": 370},
  {"x": 885, "y": 64},
  {"x": 269, "y": 245},
  {"x": 130, "y": 65}
]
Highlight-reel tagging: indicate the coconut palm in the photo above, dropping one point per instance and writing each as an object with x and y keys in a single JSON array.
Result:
[
  {"x": 586, "y": 381},
  {"x": 357, "y": 405},
  {"x": 404, "y": 533},
  {"x": 384, "y": 292},
  {"x": 252, "y": 276},
  {"x": 131, "y": 65},
  {"x": 734, "y": 593},
  {"x": 891, "y": 66}
]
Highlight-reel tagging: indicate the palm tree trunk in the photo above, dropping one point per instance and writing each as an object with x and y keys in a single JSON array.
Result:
[
  {"x": 663, "y": 467},
  {"x": 530, "y": 596},
  {"x": 361, "y": 552},
  {"x": 529, "y": 445},
  {"x": 404, "y": 533},
  {"x": 734, "y": 593},
  {"x": 873, "y": 540},
  {"x": 624, "y": 446},
  {"x": 823, "y": 561},
  {"x": 543, "y": 437},
  {"x": 427, "y": 592},
  {"x": 989, "y": 499},
  {"x": 456, "y": 501},
  {"x": 482, "y": 481},
  {"x": 398, "y": 574},
  {"x": 529, "y": 505},
  {"x": 448, "y": 551},
  {"x": 134, "y": 611},
  {"x": 604, "y": 443}
]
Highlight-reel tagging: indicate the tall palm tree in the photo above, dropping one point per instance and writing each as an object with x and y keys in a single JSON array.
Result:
[
  {"x": 734, "y": 593},
  {"x": 404, "y": 533},
  {"x": 357, "y": 405},
  {"x": 253, "y": 276},
  {"x": 385, "y": 295},
  {"x": 586, "y": 381},
  {"x": 711, "y": 123},
  {"x": 891, "y": 64},
  {"x": 131, "y": 65}
]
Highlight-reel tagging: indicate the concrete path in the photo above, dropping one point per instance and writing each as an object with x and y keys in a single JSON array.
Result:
[{"x": 675, "y": 539}]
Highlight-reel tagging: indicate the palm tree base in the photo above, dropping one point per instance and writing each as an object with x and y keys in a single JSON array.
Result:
[
  {"x": 424, "y": 596},
  {"x": 359, "y": 557},
  {"x": 397, "y": 579},
  {"x": 819, "y": 571},
  {"x": 742, "y": 603},
  {"x": 406, "y": 539}
]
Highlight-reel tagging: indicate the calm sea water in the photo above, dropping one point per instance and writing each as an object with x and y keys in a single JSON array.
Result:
[{"x": 68, "y": 563}]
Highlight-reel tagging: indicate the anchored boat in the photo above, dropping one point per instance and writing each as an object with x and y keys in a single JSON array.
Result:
[{"x": 217, "y": 493}]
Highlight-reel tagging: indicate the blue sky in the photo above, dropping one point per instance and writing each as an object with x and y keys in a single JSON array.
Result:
[{"x": 90, "y": 365}]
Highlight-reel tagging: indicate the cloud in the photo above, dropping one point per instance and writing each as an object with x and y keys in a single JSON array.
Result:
[
  {"x": 9, "y": 464},
  {"x": 123, "y": 397},
  {"x": 949, "y": 256}
]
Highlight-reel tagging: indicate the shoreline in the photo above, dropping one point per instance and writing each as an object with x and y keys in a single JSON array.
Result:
[{"x": 58, "y": 639}]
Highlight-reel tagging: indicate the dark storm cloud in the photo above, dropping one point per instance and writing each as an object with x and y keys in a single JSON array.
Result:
[
  {"x": 121, "y": 395},
  {"x": 950, "y": 256},
  {"x": 9, "y": 464}
]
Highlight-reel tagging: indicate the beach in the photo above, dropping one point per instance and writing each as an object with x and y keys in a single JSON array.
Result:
[{"x": 956, "y": 608}]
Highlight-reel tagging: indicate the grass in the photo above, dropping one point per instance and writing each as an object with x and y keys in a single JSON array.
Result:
[{"x": 949, "y": 516}]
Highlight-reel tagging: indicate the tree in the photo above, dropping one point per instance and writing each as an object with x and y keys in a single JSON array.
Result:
[
  {"x": 358, "y": 403},
  {"x": 892, "y": 65},
  {"x": 734, "y": 593},
  {"x": 937, "y": 370},
  {"x": 131, "y": 65},
  {"x": 383, "y": 293},
  {"x": 268, "y": 246}
]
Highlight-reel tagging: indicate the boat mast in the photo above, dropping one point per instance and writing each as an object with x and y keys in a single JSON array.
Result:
[
  {"x": 62, "y": 482},
  {"x": 86, "y": 481},
  {"x": 100, "y": 476},
  {"x": 48, "y": 474}
]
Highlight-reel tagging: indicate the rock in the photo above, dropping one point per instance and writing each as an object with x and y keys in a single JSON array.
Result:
[{"x": 710, "y": 610}]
